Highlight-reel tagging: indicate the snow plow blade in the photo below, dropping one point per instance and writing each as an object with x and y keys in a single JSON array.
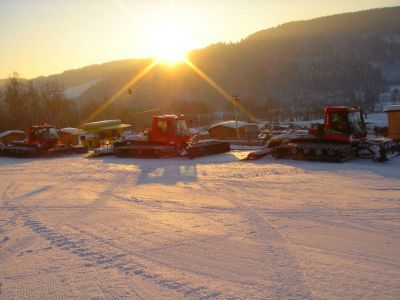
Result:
[
  {"x": 387, "y": 150},
  {"x": 207, "y": 147},
  {"x": 258, "y": 154},
  {"x": 93, "y": 154},
  {"x": 105, "y": 150}
]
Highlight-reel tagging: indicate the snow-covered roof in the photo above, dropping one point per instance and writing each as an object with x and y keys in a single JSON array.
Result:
[
  {"x": 230, "y": 124},
  {"x": 393, "y": 108},
  {"x": 5, "y": 133}
]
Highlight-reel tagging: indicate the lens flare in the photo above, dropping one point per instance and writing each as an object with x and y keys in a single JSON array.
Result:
[
  {"x": 169, "y": 44},
  {"x": 219, "y": 89},
  {"x": 121, "y": 91}
]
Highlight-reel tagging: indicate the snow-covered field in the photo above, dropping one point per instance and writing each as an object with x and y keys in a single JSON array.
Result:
[{"x": 213, "y": 227}]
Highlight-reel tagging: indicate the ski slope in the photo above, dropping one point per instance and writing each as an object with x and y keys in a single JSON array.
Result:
[{"x": 209, "y": 228}]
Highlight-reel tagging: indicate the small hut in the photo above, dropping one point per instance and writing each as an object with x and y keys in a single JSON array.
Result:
[
  {"x": 393, "y": 122},
  {"x": 11, "y": 135},
  {"x": 227, "y": 130}
]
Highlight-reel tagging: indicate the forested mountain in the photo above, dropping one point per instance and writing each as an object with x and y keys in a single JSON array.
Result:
[{"x": 292, "y": 70}]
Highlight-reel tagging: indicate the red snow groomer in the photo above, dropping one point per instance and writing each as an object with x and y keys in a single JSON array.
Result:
[
  {"x": 342, "y": 136},
  {"x": 43, "y": 141},
  {"x": 168, "y": 137}
]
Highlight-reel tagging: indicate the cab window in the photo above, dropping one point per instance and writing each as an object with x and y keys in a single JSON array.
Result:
[
  {"x": 339, "y": 122},
  {"x": 162, "y": 127},
  {"x": 357, "y": 122},
  {"x": 181, "y": 128},
  {"x": 53, "y": 133},
  {"x": 40, "y": 133}
]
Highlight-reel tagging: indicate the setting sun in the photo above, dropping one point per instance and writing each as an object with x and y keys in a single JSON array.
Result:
[{"x": 169, "y": 44}]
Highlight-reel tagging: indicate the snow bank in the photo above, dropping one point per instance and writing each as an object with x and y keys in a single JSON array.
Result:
[{"x": 379, "y": 119}]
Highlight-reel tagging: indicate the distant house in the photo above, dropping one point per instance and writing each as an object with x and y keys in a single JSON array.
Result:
[
  {"x": 227, "y": 130},
  {"x": 11, "y": 135}
]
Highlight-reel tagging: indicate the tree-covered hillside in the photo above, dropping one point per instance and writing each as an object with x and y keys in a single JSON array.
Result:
[{"x": 292, "y": 70}]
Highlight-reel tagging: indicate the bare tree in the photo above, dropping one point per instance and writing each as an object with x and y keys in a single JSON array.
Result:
[
  {"x": 35, "y": 102},
  {"x": 54, "y": 107},
  {"x": 15, "y": 103},
  {"x": 2, "y": 112}
]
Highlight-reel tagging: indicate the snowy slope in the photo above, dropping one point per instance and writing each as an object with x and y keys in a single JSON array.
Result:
[
  {"x": 77, "y": 90},
  {"x": 207, "y": 228}
]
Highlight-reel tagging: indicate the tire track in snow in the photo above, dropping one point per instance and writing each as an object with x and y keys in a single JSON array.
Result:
[
  {"x": 354, "y": 219},
  {"x": 349, "y": 218},
  {"x": 119, "y": 260},
  {"x": 288, "y": 271},
  {"x": 200, "y": 292},
  {"x": 61, "y": 241},
  {"x": 7, "y": 195}
]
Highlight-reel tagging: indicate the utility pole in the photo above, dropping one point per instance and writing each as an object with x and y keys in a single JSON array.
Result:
[{"x": 236, "y": 100}]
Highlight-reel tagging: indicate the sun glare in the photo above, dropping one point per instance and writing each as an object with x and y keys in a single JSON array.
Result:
[{"x": 169, "y": 44}]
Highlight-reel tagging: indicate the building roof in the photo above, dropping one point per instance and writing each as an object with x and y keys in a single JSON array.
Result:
[{"x": 393, "y": 108}]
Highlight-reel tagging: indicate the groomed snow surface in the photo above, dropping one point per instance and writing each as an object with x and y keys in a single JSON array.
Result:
[{"x": 213, "y": 227}]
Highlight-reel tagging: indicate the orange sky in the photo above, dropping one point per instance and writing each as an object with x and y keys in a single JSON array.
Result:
[{"x": 42, "y": 37}]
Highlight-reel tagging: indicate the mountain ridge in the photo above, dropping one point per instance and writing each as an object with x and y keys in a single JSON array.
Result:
[{"x": 345, "y": 58}]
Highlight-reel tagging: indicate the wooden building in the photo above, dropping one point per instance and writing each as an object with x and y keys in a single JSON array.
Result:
[
  {"x": 70, "y": 136},
  {"x": 227, "y": 130},
  {"x": 393, "y": 122}
]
